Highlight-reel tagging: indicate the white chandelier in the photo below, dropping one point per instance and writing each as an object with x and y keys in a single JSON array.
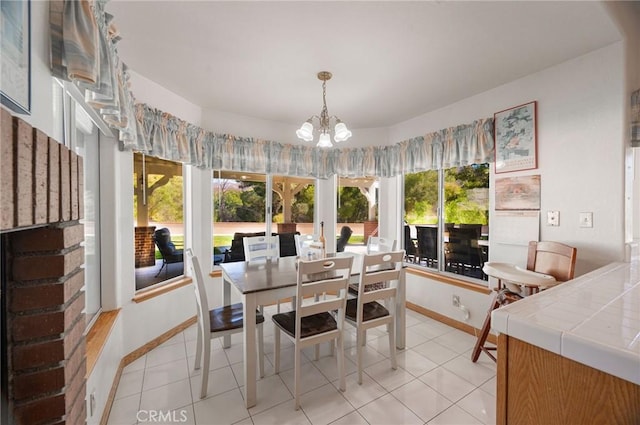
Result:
[{"x": 340, "y": 130}]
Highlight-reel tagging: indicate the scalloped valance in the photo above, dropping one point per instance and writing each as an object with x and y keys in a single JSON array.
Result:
[
  {"x": 166, "y": 136},
  {"x": 83, "y": 50}
]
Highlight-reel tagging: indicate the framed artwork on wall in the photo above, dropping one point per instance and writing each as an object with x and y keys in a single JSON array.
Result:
[
  {"x": 515, "y": 138},
  {"x": 518, "y": 193},
  {"x": 15, "y": 44}
]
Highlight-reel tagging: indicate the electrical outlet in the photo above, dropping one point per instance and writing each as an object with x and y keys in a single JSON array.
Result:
[
  {"x": 92, "y": 403},
  {"x": 553, "y": 218},
  {"x": 456, "y": 301}
]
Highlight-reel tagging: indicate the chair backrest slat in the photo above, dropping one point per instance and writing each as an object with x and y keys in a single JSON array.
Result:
[
  {"x": 302, "y": 244},
  {"x": 378, "y": 294},
  {"x": 261, "y": 247},
  {"x": 378, "y": 244}
]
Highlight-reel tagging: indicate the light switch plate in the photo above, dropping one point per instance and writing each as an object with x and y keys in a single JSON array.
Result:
[
  {"x": 586, "y": 219},
  {"x": 553, "y": 218}
]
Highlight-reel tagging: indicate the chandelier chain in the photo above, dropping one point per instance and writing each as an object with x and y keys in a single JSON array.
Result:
[{"x": 324, "y": 114}]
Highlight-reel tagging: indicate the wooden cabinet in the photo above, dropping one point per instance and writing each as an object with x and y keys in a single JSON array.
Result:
[{"x": 538, "y": 387}]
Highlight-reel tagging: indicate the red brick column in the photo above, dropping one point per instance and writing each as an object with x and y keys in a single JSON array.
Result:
[
  {"x": 287, "y": 227},
  {"x": 45, "y": 325},
  {"x": 369, "y": 228},
  {"x": 145, "y": 247}
]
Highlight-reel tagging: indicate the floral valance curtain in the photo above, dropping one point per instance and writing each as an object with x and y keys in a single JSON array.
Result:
[
  {"x": 166, "y": 136},
  {"x": 83, "y": 50}
]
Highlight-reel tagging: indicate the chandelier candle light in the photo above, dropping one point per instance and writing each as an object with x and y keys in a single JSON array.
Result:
[{"x": 340, "y": 131}]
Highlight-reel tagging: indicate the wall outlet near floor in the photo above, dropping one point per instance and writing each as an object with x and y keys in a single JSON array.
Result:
[
  {"x": 456, "y": 301},
  {"x": 586, "y": 219},
  {"x": 92, "y": 403}
]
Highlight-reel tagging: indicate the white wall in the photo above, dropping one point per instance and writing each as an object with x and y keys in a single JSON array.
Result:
[
  {"x": 153, "y": 94},
  {"x": 627, "y": 17},
  {"x": 580, "y": 149},
  {"x": 581, "y": 159}
]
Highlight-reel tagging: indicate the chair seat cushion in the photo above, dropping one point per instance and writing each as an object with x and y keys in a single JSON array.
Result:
[
  {"x": 370, "y": 311},
  {"x": 309, "y": 326},
  {"x": 229, "y": 317}
]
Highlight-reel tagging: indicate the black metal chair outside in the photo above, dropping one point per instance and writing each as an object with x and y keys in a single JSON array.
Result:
[
  {"x": 463, "y": 255},
  {"x": 410, "y": 248},
  {"x": 428, "y": 245},
  {"x": 170, "y": 255}
]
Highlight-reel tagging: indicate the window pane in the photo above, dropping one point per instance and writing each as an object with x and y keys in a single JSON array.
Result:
[
  {"x": 239, "y": 201},
  {"x": 293, "y": 204},
  {"x": 467, "y": 208},
  {"x": 357, "y": 216},
  {"x": 158, "y": 212},
  {"x": 86, "y": 144},
  {"x": 421, "y": 218}
]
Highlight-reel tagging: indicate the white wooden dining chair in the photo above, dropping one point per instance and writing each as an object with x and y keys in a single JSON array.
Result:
[
  {"x": 313, "y": 321},
  {"x": 257, "y": 248},
  {"x": 261, "y": 247},
  {"x": 303, "y": 244},
  {"x": 219, "y": 322},
  {"x": 378, "y": 244},
  {"x": 378, "y": 281}
]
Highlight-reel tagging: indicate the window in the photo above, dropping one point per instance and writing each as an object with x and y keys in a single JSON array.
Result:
[
  {"x": 293, "y": 204},
  {"x": 240, "y": 201},
  {"x": 85, "y": 141},
  {"x": 74, "y": 127},
  {"x": 159, "y": 216},
  {"x": 357, "y": 212},
  {"x": 446, "y": 219}
]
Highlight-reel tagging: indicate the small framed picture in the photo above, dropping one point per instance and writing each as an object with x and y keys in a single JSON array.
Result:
[
  {"x": 15, "y": 44},
  {"x": 515, "y": 137},
  {"x": 518, "y": 193}
]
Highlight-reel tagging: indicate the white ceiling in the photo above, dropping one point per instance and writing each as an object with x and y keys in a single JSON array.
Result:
[{"x": 391, "y": 61}]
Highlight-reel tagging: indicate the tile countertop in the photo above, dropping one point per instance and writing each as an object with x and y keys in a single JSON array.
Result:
[{"x": 593, "y": 319}]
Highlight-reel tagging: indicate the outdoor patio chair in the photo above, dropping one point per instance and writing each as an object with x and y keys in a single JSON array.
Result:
[
  {"x": 170, "y": 255},
  {"x": 345, "y": 234}
]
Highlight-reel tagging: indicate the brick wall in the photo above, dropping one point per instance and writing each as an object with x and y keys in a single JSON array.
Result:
[
  {"x": 41, "y": 195},
  {"x": 40, "y": 180},
  {"x": 145, "y": 247}
]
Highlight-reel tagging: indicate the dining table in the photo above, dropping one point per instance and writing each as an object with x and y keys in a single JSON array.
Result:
[{"x": 264, "y": 282}]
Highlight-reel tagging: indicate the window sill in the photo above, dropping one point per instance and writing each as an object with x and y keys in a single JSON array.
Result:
[
  {"x": 216, "y": 273},
  {"x": 148, "y": 294},
  {"x": 97, "y": 337},
  {"x": 450, "y": 280}
]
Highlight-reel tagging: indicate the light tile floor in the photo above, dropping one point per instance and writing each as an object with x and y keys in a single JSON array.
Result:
[{"x": 435, "y": 383}]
